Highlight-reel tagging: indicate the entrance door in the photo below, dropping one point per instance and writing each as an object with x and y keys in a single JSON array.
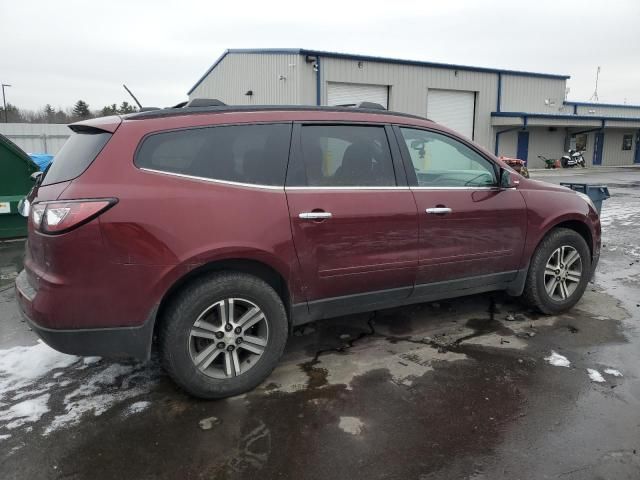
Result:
[
  {"x": 597, "y": 148},
  {"x": 355, "y": 226},
  {"x": 523, "y": 146},
  {"x": 636, "y": 157},
  {"x": 471, "y": 231}
]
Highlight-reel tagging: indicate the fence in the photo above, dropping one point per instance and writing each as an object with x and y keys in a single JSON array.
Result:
[{"x": 36, "y": 137}]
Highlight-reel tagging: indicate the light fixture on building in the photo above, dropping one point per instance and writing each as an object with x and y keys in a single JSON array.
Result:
[{"x": 249, "y": 93}]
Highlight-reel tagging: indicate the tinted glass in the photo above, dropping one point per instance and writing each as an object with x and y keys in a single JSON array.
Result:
[
  {"x": 346, "y": 155},
  {"x": 441, "y": 161},
  {"x": 75, "y": 156},
  {"x": 254, "y": 154}
]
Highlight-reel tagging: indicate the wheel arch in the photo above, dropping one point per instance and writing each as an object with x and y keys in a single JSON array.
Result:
[{"x": 253, "y": 267}]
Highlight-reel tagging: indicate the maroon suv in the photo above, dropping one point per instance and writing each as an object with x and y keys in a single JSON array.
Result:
[{"x": 215, "y": 230}]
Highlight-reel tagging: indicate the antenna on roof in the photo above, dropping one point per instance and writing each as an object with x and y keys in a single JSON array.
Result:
[
  {"x": 132, "y": 96},
  {"x": 594, "y": 97}
]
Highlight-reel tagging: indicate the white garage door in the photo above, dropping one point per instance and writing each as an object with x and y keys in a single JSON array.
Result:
[
  {"x": 453, "y": 109},
  {"x": 354, "y": 93}
]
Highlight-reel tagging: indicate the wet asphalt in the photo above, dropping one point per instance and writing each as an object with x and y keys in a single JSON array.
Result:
[{"x": 454, "y": 389}]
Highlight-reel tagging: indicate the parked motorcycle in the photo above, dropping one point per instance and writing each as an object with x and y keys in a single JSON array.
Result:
[{"x": 574, "y": 159}]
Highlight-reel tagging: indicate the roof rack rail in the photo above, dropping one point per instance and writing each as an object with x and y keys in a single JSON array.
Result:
[
  {"x": 205, "y": 102},
  {"x": 370, "y": 106}
]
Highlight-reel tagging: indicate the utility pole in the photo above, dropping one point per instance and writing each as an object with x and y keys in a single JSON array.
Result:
[
  {"x": 4, "y": 103},
  {"x": 594, "y": 97}
]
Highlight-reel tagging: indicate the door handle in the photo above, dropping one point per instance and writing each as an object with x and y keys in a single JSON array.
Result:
[
  {"x": 315, "y": 215},
  {"x": 439, "y": 210}
]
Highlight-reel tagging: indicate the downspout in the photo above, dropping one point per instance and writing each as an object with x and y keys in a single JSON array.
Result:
[{"x": 318, "y": 83}]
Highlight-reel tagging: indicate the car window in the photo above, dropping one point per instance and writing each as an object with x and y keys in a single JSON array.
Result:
[
  {"x": 255, "y": 154},
  {"x": 346, "y": 155},
  {"x": 441, "y": 161},
  {"x": 75, "y": 156}
]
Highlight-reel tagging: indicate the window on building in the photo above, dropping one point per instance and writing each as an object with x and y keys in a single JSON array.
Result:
[
  {"x": 581, "y": 142},
  {"x": 441, "y": 161},
  {"x": 627, "y": 141},
  {"x": 255, "y": 154},
  {"x": 345, "y": 155}
]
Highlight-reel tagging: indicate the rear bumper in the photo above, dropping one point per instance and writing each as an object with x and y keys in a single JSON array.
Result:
[{"x": 104, "y": 342}]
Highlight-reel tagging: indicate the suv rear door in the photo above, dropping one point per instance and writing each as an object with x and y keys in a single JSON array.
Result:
[
  {"x": 472, "y": 232},
  {"x": 353, "y": 217}
]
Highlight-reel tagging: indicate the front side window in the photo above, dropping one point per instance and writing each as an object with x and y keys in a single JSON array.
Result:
[
  {"x": 345, "y": 156},
  {"x": 255, "y": 154},
  {"x": 441, "y": 161}
]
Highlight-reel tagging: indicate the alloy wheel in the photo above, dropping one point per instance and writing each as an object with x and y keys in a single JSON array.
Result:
[
  {"x": 563, "y": 273},
  {"x": 228, "y": 338}
]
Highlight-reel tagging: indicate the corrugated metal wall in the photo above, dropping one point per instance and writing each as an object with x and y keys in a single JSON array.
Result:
[
  {"x": 612, "y": 153},
  {"x": 601, "y": 111},
  {"x": 273, "y": 79},
  {"x": 528, "y": 94},
  {"x": 409, "y": 85},
  {"x": 36, "y": 137}
]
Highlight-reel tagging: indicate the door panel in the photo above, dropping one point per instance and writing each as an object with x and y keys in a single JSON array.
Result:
[
  {"x": 355, "y": 229},
  {"x": 369, "y": 243},
  {"x": 483, "y": 234}
]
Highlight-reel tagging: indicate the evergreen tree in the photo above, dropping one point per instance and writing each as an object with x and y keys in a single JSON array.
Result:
[{"x": 81, "y": 109}]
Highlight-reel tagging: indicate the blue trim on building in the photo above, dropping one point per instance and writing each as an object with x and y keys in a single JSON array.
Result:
[
  {"x": 636, "y": 156},
  {"x": 522, "y": 149},
  {"x": 499, "y": 100},
  {"x": 602, "y": 119},
  {"x": 592, "y": 104},
  {"x": 370, "y": 58},
  {"x": 598, "y": 147},
  {"x": 575, "y": 109}
]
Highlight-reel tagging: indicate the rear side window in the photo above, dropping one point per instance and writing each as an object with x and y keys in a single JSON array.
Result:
[
  {"x": 255, "y": 154},
  {"x": 345, "y": 156},
  {"x": 75, "y": 156}
]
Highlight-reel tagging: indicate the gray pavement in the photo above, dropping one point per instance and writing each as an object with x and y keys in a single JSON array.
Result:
[{"x": 454, "y": 389}]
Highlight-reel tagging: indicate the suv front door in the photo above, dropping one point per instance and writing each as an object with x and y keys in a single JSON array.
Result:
[
  {"x": 472, "y": 232},
  {"x": 353, "y": 217}
]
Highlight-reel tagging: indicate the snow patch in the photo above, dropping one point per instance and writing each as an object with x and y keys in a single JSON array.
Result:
[
  {"x": 612, "y": 371},
  {"x": 4, "y": 437},
  {"x": 21, "y": 366},
  {"x": 352, "y": 425},
  {"x": 558, "y": 360},
  {"x": 28, "y": 411},
  {"x": 137, "y": 407},
  {"x": 595, "y": 375}
]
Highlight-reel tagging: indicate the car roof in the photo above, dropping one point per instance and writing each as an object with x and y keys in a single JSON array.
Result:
[{"x": 172, "y": 112}]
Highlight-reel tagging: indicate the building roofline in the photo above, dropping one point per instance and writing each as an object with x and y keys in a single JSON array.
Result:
[
  {"x": 370, "y": 58},
  {"x": 557, "y": 116},
  {"x": 594, "y": 104}
]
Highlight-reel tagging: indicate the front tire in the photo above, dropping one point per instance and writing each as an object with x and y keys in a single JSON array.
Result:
[
  {"x": 559, "y": 272},
  {"x": 223, "y": 335}
]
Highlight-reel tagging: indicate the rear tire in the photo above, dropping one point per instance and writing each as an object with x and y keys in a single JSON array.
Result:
[
  {"x": 559, "y": 272},
  {"x": 223, "y": 335}
]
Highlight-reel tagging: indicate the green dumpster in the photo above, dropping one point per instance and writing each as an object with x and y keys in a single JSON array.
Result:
[{"x": 16, "y": 168}]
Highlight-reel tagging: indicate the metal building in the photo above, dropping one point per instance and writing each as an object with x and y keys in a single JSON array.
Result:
[{"x": 516, "y": 114}]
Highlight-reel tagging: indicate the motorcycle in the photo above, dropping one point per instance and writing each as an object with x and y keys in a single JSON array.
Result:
[{"x": 574, "y": 159}]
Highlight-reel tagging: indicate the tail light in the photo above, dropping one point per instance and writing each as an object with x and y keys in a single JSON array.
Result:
[{"x": 62, "y": 216}]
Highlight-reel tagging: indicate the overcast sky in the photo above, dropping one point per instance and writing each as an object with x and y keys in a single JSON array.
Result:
[{"x": 60, "y": 51}]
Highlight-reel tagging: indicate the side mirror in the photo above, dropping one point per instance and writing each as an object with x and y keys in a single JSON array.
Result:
[
  {"x": 35, "y": 176},
  {"x": 508, "y": 179}
]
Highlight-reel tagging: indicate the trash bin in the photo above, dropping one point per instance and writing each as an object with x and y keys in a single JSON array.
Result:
[
  {"x": 15, "y": 182},
  {"x": 597, "y": 193}
]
